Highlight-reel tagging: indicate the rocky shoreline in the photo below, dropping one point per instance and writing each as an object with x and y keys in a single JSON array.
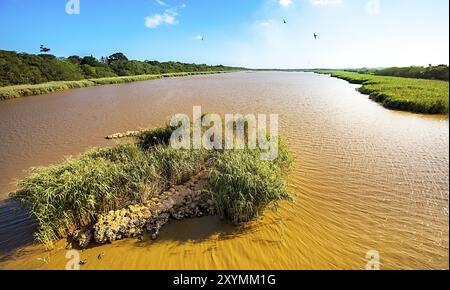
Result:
[
  {"x": 180, "y": 202},
  {"x": 128, "y": 134}
]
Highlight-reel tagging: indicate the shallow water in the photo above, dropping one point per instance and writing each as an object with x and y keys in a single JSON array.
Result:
[{"x": 365, "y": 178}]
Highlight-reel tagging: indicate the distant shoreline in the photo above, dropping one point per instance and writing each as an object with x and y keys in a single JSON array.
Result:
[
  {"x": 420, "y": 96},
  {"x": 18, "y": 91}
]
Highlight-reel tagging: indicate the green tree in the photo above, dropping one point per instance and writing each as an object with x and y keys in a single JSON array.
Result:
[
  {"x": 117, "y": 57},
  {"x": 90, "y": 60},
  {"x": 75, "y": 59}
]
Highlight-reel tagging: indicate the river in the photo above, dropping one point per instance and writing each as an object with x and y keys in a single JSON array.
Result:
[{"x": 364, "y": 178}]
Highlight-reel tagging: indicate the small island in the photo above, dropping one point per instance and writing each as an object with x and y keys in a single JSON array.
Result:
[{"x": 121, "y": 192}]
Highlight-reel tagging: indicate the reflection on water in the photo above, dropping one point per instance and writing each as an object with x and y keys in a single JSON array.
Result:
[{"x": 364, "y": 178}]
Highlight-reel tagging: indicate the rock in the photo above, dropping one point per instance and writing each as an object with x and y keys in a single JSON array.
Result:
[
  {"x": 127, "y": 223},
  {"x": 83, "y": 238},
  {"x": 127, "y": 134},
  {"x": 156, "y": 223},
  {"x": 101, "y": 256},
  {"x": 178, "y": 203}
]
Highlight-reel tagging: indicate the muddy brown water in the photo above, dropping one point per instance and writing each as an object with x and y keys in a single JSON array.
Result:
[{"x": 365, "y": 178}]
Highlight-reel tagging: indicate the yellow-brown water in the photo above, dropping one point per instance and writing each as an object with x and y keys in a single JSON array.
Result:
[{"x": 365, "y": 178}]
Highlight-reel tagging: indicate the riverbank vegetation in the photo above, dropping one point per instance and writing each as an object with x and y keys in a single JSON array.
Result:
[
  {"x": 23, "y": 74},
  {"x": 22, "y": 68},
  {"x": 72, "y": 196},
  {"x": 439, "y": 72},
  {"x": 12, "y": 92},
  {"x": 405, "y": 94}
]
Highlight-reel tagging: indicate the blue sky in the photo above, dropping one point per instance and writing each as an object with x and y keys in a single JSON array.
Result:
[{"x": 251, "y": 33}]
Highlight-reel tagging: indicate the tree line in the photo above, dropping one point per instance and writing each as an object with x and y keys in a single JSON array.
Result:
[{"x": 23, "y": 68}]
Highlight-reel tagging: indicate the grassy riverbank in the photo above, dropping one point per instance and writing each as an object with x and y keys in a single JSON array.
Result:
[
  {"x": 405, "y": 94},
  {"x": 73, "y": 195},
  {"x": 17, "y": 91}
]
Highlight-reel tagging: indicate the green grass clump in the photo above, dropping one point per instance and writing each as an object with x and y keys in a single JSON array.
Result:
[
  {"x": 17, "y": 91},
  {"x": 406, "y": 94},
  {"x": 154, "y": 137},
  {"x": 177, "y": 166},
  {"x": 243, "y": 185},
  {"x": 70, "y": 196}
]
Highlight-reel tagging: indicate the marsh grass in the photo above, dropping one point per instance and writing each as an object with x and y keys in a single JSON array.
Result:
[
  {"x": 150, "y": 138},
  {"x": 413, "y": 95},
  {"x": 66, "y": 197},
  {"x": 17, "y": 91},
  {"x": 243, "y": 185}
]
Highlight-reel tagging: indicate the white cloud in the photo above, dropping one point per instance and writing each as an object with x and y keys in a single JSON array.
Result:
[
  {"x": 168, "y": 17},
  {"x": 325, "y": 2},
  {"x": 285, "y": 3},
  {"x": 162, "y": 3}
]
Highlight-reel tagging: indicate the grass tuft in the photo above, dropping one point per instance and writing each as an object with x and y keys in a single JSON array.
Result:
[
  {"x": 243, "y": 185},
  {"x": 151, "y": 138}
]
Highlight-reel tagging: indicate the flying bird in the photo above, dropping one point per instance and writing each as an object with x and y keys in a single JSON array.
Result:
[
  {"x": 284, "y": 21},
  {"x": 44, "y": 49},
  {"x": 315, "y": 36}
]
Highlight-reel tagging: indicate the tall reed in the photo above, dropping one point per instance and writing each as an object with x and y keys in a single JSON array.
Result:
[
  {"x": 243, "y": 185},
  {"x": 70, "y": 196}
]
